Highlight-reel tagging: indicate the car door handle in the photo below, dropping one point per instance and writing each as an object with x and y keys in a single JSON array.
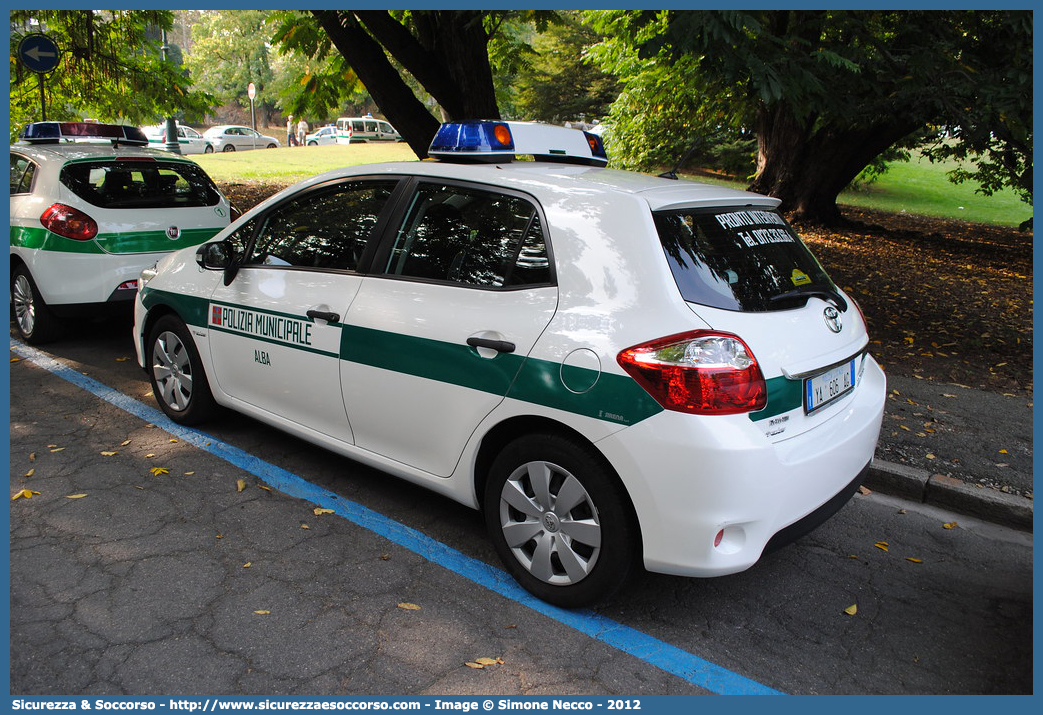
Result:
[
  {"x": 500, "y": 346},
  {"x": 324, "y": 315}
]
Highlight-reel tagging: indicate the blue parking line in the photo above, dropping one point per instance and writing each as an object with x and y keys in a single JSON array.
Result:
[{"x": 662, "y": 655}]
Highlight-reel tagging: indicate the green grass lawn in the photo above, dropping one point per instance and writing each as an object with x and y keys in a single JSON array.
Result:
[
  {"x": 916, "y": 187},
  {"x": 291, "y": 164},
  {"x": 921, "y": 188}
]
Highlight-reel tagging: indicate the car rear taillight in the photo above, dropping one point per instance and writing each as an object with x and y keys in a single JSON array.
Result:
[
  {"x": 700, "y": 372},
  {"x": 69, "y": 222}
]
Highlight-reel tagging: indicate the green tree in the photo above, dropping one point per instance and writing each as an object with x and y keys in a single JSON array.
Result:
[
  {"x": 412, "y": 63},
  {"x": 827, "y": 92},
  {"x": 110, "y": 69},
  {"x": 230, "y": 49},
  {"x": 558, "y": 83}
]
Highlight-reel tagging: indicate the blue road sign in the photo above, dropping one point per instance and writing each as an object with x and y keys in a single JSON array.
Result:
[{"x": 38, "y": 53}]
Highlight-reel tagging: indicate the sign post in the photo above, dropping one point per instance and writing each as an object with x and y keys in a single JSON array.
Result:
[
  {"x": 251, "y": 92},
  {"x": 40, "y": 54}
]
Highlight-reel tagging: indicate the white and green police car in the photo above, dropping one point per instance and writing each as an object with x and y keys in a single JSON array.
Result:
[
  {"x": 90, "y": 209},
  {"x": 619, "y": 370}
]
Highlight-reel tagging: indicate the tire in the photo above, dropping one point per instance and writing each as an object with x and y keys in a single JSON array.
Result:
[
  {"x": 313, "y": 143},
  {"x": 208, "y": 150},
  {"x": 228, "y": 147},
  {"x": 570, "y": 554},
  {"x": 271, "y": 146},
  {"x": 176, "y": 373},
  {"x": 35, "y": 321}
]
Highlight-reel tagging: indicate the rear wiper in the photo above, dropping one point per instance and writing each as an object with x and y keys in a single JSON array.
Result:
[{"x": 818, "y": 290}]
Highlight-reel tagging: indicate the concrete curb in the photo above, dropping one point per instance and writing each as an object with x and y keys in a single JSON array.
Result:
[{"x": 950, "y": 493}]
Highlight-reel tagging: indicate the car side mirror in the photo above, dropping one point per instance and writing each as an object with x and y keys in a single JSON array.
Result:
[{"x": 215, "y": 256}]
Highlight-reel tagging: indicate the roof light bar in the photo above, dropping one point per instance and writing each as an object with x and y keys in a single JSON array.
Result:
[
  {"x": 492, "y": 141},
  {"x": 54, "y": 132}
]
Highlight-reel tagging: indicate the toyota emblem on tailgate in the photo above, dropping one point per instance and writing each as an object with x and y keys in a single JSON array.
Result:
[{"x": 832, "y": 317}]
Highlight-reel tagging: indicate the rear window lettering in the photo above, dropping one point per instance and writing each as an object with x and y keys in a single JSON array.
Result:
[
  {"x": 471, "y": 237},
  {"x": 737, "y": 259},
  {"x": 140, "y": 185}
]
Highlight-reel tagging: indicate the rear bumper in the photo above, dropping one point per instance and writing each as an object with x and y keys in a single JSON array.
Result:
[{"x": 694, "y": 481}]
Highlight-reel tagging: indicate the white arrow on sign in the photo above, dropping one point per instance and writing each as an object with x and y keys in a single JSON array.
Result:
[{"x": 36, "y": 53}]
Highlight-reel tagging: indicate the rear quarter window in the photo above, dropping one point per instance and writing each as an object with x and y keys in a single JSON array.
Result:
[
  {"x": 743, "y": 259},
  {"x": 140, "y": 184}
]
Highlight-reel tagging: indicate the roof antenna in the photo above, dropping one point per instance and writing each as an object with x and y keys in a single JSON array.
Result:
[{"x": 672, "y": 174}]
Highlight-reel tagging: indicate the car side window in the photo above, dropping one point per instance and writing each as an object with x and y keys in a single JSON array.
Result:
[
  {"x": 22, "y": 173},
  {"x": 471, "y": 237},
  {"x": 371, "y": 126},
  {"x": 328, "y": 228}
]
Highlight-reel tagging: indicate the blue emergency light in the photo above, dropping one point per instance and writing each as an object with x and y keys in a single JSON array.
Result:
[
  {"x": 496, "y": 141},
  {"x": 54, "y": 132}
]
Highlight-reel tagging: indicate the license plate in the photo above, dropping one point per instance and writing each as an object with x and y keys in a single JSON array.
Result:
[{"x": 831, "y": 385}]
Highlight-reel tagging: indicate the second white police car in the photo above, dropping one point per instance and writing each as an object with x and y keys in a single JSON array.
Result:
[{"x": 619, "y": 370}]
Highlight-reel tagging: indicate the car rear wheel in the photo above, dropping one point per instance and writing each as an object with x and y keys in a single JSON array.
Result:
[
  {"x": 208, "y": 150},
  {"x": 34, "y": 319},
  {"x": 313, "y": 143},
  {"x": 176, "y": 373},
  {"x": 560, "y": 520},
  {"x": 229, "y": 147}
]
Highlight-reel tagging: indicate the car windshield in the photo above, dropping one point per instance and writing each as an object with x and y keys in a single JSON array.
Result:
[
  {"x": 115, "y": 184},
  {"x": 743, "y": 259}
]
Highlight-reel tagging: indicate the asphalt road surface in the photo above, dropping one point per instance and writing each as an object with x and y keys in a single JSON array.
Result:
[{"x": 187, "y": 567}]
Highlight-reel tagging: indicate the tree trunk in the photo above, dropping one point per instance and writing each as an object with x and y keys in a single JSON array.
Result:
[
  {"x": 394, "y": 97},
  {"x": 807, "y": 166}
]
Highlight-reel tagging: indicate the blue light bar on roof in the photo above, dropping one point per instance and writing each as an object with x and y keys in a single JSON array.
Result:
[
  {"x": 483, "y": 137},
  {"x": 489, "y": 140},
  {"x": 53, "y": 132}
]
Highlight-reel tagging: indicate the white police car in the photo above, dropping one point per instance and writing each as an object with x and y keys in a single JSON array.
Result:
[
  {"x": 87, "y": 216},
  {"x": 323, "y": 136},
  {"x": 619, "y": 370},
  {"x": 189, "y": 140}
]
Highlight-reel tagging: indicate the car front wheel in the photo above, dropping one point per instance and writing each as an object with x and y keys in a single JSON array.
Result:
[
  {"x": 313, "y": 143},
  {"x": 176, "y": 373},
  {"x": 35, "y": 321},
  {"x": 229, "y": 147},
  {"x": 208, "y": 150},
  {"x": 560, "y": 520},
  {"x": 272, "y": 146}
]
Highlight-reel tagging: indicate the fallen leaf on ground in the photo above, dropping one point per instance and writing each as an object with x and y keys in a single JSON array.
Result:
[
  {"x": 409, "y": 607},
  {"x": 30, "y": 473},
  {"x": 58, "y": 449},
  {"x": 240, "y": 485},
  {"x": 262, "y": 613},
  {"x": 950, "y": 525},
  {"x": 75, "y": 496},
  {"x": 159, "y": 470},
  {"x": 489, "y": 661},
  {"x": 26, "y": 493},
  {"x": 248, "y": 564},
  {"x": 319, "y": 511},
  {"x": 476, "y": 666},
  {"x": 915, "y": 561},
  {"x": 864, "y": 491},
  {"x": 109, "y": 454},
  {"x": 882, "y": 545},
  {"x": 851, "y": 610}
]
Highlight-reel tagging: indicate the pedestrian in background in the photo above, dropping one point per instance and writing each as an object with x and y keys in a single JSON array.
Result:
[
  {"x": 302, "y": 131},
  {"x": 289, "y": 131}
]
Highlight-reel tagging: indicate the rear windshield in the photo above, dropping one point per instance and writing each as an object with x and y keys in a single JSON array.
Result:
[
  {"x": 140, "y": 184},
  {"x": 739, "y": 259}
]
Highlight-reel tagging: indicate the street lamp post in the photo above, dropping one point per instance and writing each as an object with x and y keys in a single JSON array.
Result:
[{"x": 170, "y": 131}]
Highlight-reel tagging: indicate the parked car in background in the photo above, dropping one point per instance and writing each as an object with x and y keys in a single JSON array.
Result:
[
  {"x": 91, "y": 206},
  {"x": 620, "y": 370},
  {"x": 190, "y": 141},
  {"x": 355, "y": 130},
  {"x": 326, "y": 135},
  {"x": 230, "y": 137}
]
